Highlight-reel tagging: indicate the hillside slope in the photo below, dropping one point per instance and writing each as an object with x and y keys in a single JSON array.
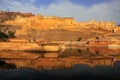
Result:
[{"x": 65, "y": 35}]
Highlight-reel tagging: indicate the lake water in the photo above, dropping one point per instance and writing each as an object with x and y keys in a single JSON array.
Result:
[{"x": 72, "y": 64}]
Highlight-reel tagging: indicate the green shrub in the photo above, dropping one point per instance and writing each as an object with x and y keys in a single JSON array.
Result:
[
  {"x": 79, "y": 39},
  {"x": 3, "y": 36},
  {"x": 11, "y": 34}
]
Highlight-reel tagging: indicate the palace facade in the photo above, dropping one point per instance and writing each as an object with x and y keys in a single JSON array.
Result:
[{"x": 40, "y": 22}]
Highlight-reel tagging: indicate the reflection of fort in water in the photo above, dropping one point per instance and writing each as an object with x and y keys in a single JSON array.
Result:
[{"x": 52, "y": 60}]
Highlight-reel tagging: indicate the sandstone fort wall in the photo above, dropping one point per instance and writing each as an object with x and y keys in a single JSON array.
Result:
[
  {"x": 40, "y": 22},
  {"x": 20, "y": 46}
]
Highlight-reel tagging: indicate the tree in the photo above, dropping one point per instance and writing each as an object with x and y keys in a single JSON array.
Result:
[
  {"x": 33, "y": 34},
  {"x": 3, "y": 36},
  {"x": 79, "y": 39},
  {"x": 11, "y": 34}
]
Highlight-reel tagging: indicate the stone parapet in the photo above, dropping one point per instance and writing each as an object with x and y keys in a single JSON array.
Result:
[
  {"x": 20, "y": 46},
  {"x": 102, "y": 43}
]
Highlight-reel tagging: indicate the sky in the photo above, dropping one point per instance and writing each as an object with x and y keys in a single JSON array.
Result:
[{"x": 80, "y": 10}]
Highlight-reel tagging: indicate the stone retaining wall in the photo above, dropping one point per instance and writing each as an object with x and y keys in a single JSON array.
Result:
[
  {"x": 102, "y": 43},
  {"x": 22, "y": 46}
]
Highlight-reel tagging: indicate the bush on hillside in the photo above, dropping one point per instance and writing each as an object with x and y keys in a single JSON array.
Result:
[
  {"x": 3, "y": 36},
  {"x": 79, "y": 39}
]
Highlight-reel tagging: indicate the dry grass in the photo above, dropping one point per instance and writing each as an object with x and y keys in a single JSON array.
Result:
[{"x": 65, "y": 35}]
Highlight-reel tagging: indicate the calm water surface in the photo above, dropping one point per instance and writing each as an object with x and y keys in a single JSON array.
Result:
[{"x": 72, "y": 64}]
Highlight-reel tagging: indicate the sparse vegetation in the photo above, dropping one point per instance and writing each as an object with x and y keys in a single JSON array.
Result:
[
  {"x": 3, "y": 36},
  {"x": 11, "y": 34},
  {"x": 97, "y": 38},
  {"x": 33, "y": 35},
  {"x": 79, "y": 39}
]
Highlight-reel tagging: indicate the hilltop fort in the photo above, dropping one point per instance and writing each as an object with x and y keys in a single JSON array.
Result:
[{"x": 39, "y": 22}]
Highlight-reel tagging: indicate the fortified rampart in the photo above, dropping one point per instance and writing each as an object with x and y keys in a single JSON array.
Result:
[
  {"x": 97, "y": 25},
  {"x": 103, "y": 43},
  {"x": 16, "y": 13},
  {"x": 40, "y": 22},
  {"x": 103, "y": 51},
  {"x": 20, "y": 46}
]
